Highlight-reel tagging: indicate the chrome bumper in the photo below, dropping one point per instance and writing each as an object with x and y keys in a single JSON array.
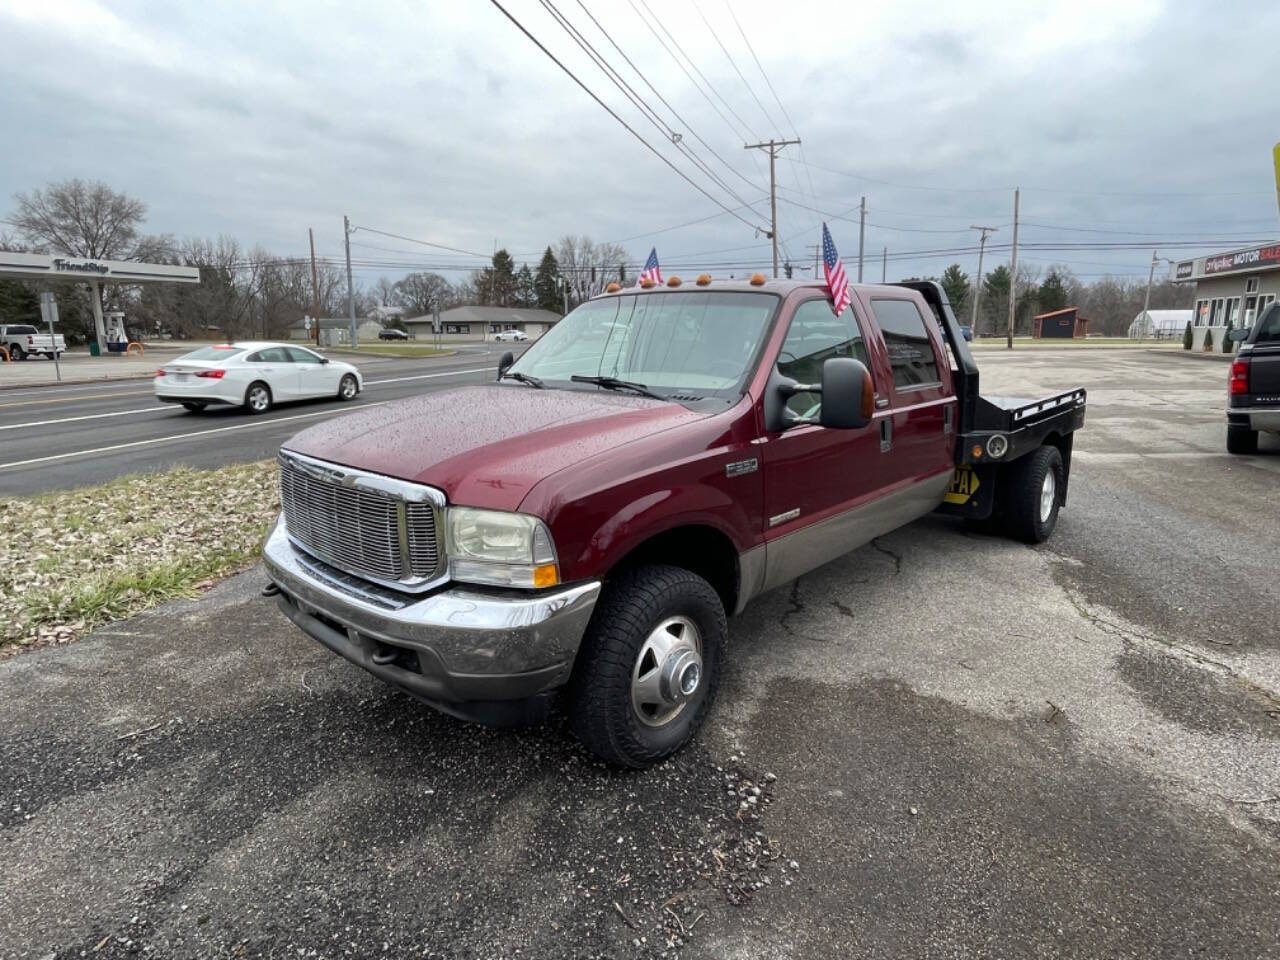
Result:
[{"x": 460, "y": 644}]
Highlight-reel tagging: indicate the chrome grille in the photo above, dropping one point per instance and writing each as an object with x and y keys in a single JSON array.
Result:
[{"x": 358, "y": 522}]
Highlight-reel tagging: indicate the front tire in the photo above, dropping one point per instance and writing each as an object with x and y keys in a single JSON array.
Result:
[
  {"x": 649, "y": 666},
  {"x": 1031, "y": 495},
  {"x": 1242, "y": 440},
  {"x": 348, "y": 388},
  {"x": 257, "y": 399},
  {"x": 17, "y": 353}
]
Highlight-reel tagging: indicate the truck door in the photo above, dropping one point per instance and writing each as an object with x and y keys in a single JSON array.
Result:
[
  {"x": 922, "y": 403},
  {"x": 1264, "y": 356},
  {"x": 819, "y": 482}
]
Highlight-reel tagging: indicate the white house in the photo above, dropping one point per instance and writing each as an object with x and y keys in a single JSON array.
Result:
[
  {"x": 481, "y": 323},
  {"x": 1160, "y": 324}
]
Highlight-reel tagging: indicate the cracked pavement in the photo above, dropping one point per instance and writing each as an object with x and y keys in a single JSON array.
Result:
[{"x": 959, "y": 746}]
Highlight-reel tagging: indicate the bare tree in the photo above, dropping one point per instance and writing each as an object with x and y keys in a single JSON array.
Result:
[
  {"x": 84, "y": 220},
  {"x": 418, "y": 293},
  {"x": 588, "y": 267},
  {"x": 385, "y": 292}
]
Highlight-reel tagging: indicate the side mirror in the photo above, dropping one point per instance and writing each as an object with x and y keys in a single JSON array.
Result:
[
  {"x": 505, "y": 363},
  {"x": 324, "y": 360},
  {"x": 848, "y": 398},
  {"x": 1238, "y": 334}
]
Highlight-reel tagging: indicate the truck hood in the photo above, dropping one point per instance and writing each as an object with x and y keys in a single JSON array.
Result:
[{"x": 487, "y": 445}]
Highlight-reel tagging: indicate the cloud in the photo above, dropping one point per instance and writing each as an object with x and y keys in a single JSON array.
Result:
[{"x": 442, "y": 121}]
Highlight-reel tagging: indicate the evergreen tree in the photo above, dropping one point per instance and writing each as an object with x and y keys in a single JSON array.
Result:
[
  {"x": 546, "y": 284},
  {"x": 995, "y": 298},
  {"x": 526, "y": 291},
  {"x": 956, "y": 284},
  {"x": 1053, "y": 293},
  {"x": 1188, "y": 337}
]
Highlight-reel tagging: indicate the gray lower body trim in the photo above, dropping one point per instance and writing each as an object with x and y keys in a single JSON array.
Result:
[{"x": 810, "y": 547}]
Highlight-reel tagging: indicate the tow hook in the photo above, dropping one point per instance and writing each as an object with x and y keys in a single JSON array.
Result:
[{"x": 270, "y": 590}]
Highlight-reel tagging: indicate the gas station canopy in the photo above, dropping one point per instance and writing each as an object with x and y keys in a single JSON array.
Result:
[
  {"x": 43, "y": 266},
  {"x": 37, "y": 266}
]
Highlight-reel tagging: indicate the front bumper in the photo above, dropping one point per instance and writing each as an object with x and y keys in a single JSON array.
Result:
[{"x": 471, "y": 652}]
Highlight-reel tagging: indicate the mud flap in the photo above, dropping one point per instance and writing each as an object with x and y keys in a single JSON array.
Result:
[{"x": 972, "y": 492}]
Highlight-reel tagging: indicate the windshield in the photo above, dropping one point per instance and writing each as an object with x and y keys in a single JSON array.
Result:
[{"x": 701, "y": 343}]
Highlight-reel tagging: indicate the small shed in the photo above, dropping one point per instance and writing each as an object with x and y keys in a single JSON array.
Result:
[{"x": 1061, "y": 324}]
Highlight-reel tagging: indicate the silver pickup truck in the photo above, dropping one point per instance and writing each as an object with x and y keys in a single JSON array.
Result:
[{"x": 22, "y": 340}]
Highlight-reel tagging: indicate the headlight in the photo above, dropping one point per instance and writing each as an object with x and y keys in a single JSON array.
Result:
[{"x": 500, "y": 548}]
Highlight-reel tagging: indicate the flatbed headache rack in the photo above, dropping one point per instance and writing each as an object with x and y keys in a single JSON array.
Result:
[{"x": 1025, "y": 424}]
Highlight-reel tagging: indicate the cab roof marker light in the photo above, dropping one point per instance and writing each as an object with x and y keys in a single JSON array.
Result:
[
  {"x": 673, "y": 281},
  {"x": 646, "y": 283},
  {"x": 613, "y": 287},
  {"x": 757, "y": 279},
  {"x": 704, "y": 279}
]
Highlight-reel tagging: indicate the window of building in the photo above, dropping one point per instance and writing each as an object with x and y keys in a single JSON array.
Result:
[
  {"x": 495, "y": 328},
  {"x": 1232, "y": 314},
  {"x": 457, "y": 328},
  {"x": 816, "y": 336},
  {"x": 1251, "y": 285},
  {"x": 910, "y": 351},
  {"x": 1215, "y": 312},
  {"x": 1202, "y": 313},
  {"x": 1250, "y": 311}
]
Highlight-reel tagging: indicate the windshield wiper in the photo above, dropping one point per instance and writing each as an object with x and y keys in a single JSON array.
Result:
[
  {"x": 613, "y": 383},
  {"x": 522, "y": 377}
]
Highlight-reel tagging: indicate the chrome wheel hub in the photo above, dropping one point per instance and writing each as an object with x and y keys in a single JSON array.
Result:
[
  {"x": 1048, "y": 495},
  {"x": 668, "y": 671},
  {"x": 258, "y": 399}
]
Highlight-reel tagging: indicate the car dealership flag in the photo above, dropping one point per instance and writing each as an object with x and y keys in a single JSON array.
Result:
[
  {"x": 834, "y": 271},
  {"x": 651, "y": 269}
]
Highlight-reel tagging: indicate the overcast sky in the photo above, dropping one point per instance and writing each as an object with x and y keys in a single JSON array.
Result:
[{"x": 1122, "y": 122}]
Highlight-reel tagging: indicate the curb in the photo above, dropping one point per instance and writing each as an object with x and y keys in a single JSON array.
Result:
[{"x": 1196, "y": 355}]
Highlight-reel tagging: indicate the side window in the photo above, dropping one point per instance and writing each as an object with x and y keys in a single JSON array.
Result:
[
  {"x": 816, "y": 336},
  {"x": 269, "y": 355},
  {"x": 255, "y": 357},
  {"x": 910, "y": 352},
  {"x": 298, "y": 355},
  {"x": 1270, "y": 326}
]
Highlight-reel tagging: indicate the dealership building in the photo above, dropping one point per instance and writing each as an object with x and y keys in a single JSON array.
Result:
[{"x": 1232, "y": 288}]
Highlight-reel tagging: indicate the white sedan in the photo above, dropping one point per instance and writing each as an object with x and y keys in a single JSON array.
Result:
[
  {"x": 255, "y": 375},
  {"x": 508, "y": 336}
]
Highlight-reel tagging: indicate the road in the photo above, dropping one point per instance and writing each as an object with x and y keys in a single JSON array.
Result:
[
  {"x": 69, "y": 436},
  {"x": 964, "y": 747}
]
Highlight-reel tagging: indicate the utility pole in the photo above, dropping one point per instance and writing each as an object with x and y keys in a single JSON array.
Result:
[
  {"x": 862, "y": 233},
  {"x": 773, "y": 146},
  {"x": 1013, "y": 271},
  {"x": 315, "y": 287},
  {"x": 977, "y": 287},
  {"x": 351, "y": 293},
  {"x": 1146, "y": 301},
  {"x": 884, "y": 265}
]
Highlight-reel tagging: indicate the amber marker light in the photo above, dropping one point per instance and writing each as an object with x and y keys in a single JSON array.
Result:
[
  {"x": 757, "y": 279},
  {"x": 673, "y": 281},
  {"x": 613, "y": 288},
  {"x": 545, "y": 575},
  {"x": 646, "y": 283},
  {"x": 704, "y": 279}
]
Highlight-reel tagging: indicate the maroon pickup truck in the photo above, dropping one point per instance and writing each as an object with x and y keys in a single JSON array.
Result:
[{"x": 583, "y": 525}]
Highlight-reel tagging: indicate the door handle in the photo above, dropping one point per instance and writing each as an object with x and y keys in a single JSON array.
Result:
[
  {"x": 881, "y": 402},
  {"x": 886, "y": 435}
]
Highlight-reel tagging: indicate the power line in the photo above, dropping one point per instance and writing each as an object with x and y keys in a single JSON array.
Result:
[
  {"x": 688, "y": 126},
  {"x": 425, "y": 243},
  {"x": 733, "y": 63},
  {"x": 636, "y": 100},
  {"x": 587, "y": 90}
]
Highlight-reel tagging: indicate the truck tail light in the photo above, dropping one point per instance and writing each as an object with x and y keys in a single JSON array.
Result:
[
  {"x": 31, "y": 341},
  {"x": 1239, "y": 376},
  {"x": 212, "y": 374}
]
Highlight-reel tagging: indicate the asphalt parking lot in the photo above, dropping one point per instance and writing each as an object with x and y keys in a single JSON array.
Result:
[{"x": 941, "y": 745}]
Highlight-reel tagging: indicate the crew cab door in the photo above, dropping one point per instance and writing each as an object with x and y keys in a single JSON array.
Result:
[
  {"x": 919, "y": 433},
  {"x": 1264, "y": 356},
  {"x": 821, "y": 484}
]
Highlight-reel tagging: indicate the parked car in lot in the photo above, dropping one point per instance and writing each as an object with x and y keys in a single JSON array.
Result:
[
  {"x": 1253, "y": 391},
  {"x": 966, "y": 331},
  {"x": 391, "y": 333},
  {"x": 511, "y": 336},
  {"x": 583, "y": 526},
  {"x": 23, "y": 340},
  {"x": 254, "y": 375}
]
